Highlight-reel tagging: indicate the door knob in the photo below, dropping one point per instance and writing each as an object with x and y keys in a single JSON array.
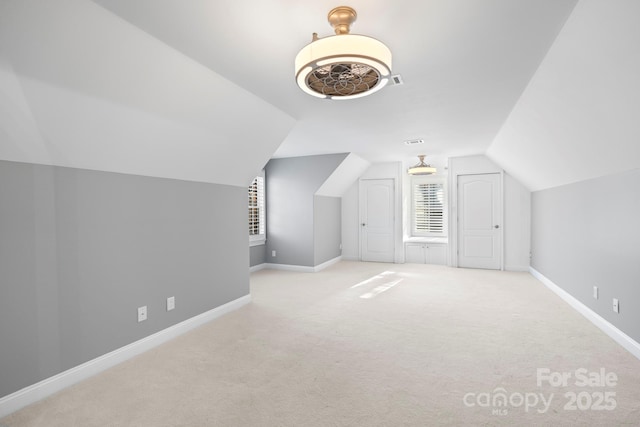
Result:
[
  {"x": 363, "y": 224},
  {"x": 496, "y": 226}
]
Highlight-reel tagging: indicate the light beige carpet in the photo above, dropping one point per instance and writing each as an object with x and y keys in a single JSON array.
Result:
[{"x": 367, "y": 344}]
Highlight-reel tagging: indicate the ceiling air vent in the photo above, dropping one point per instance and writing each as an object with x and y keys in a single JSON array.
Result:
[
  {"x": 414, "y": 141},
  {"x": 396, "y": 79}
]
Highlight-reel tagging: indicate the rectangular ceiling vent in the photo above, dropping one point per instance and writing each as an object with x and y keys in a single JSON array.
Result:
[
  {"x": 414, "y": 141},
  {"x": 396, "y": 79}
]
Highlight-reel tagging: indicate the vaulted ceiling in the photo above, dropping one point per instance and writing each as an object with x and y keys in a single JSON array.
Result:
[
  {"x": 204, "y": 90},
  {"x": 464, "y": 64}
]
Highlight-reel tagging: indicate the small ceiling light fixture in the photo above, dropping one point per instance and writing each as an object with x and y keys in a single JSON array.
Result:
[
  {"x": 344, "y": 66},
  {"x": 421, "y": 168}
]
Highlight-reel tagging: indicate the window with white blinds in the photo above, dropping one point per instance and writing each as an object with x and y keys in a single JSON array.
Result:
[
  {"x": 257, "y": 226},
  {"x": 429, "y": 208}
]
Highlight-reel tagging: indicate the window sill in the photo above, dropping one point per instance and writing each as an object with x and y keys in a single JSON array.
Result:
[{"x": 257, "y": 242}]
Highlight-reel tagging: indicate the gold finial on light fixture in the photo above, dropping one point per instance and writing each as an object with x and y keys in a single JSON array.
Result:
[
  {"x": 341, "y": 18},
  {"x": 343, "y": 66},
  {"x": 421, "y": 168}
]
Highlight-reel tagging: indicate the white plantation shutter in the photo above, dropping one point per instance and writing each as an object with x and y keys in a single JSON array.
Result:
[
  {"x": 256, "y": 209},
  {"x": 428, "y": 208}
]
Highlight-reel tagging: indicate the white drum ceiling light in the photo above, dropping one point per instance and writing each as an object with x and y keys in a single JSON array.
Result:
[
  {"x": 344, "y": 66},
  {"x": 421, "y": 168}
]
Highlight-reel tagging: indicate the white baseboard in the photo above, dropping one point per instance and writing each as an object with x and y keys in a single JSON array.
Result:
[
  {"x": 303, "y": 268},
  {"x": 516, "y": 268},
  {"x": 327, "y": 264},
  {"x": 289, "y": 267},
  {"x": 616, "y": 334},
  {"x": 258, "y": 267},
  {"x": 47, "y": 387}
]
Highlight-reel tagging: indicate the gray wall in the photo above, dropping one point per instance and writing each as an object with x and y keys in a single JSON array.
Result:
[
  {"x": 291, "y": 184},
  {"x": 81, "y": 250},
  {"x": 327, "y": 226},
  {"x": 257, "y": 255},
  {"x": 588, "y": 234}
]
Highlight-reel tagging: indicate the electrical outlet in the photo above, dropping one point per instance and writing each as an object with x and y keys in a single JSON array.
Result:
[
  {"x": 273, "y": 253},
  {"x": 142, "y": 313},
  {"x": 171, "y": 303},
  {"x": 595, "y": 292},
  {"x": 616, "y": 305}
]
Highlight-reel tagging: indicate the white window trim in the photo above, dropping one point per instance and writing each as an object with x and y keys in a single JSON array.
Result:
[
  {"x": 430, "y": 180},
  {"x": 260, "y": 239}
]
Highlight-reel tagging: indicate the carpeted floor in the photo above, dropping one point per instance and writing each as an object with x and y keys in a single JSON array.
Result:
[{"x": 367, "y": 344}]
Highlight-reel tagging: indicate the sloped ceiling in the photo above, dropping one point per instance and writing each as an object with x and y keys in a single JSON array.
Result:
[
  {"x": 579, "y": 118},
  {"x": 464, "y": 63},
  {"x": 204, "y": 90},
  {"x": 345, "y": 174},
  {"x": 85, "y": 89}
]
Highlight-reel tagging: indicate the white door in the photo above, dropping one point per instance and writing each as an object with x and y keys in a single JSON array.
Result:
[
  {"x": 377, "y": 220},
  {"x": 480, "y": 221}
]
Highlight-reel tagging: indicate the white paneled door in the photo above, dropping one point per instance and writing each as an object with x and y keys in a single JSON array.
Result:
[
  {"x": 480, "y": 221},
  {"x": 377, "y": 220}
]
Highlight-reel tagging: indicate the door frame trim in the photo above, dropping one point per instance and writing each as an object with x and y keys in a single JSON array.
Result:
[{"x": 454, "y": 216}]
